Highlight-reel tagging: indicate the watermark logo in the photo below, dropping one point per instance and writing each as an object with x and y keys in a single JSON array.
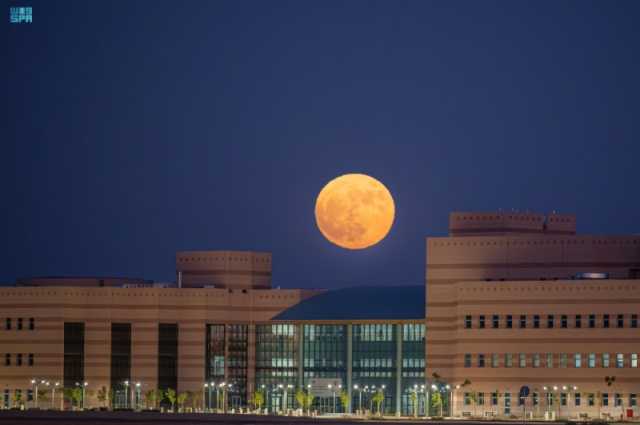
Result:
[{"x": 20, "y": 15}]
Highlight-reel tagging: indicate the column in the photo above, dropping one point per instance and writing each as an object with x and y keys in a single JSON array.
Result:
[
  {"x": 300, "y": 353},
  {"x": 350, "y": 366},
  {"x": 251, "y": 360},
  {"x": 398, "y": 368}
]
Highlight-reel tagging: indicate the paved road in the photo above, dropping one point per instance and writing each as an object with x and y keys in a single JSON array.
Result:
[{"x": 135, "y": 418}]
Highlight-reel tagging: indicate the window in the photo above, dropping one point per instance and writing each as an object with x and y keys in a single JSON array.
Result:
[
  {"x": 634, "y": 320},
  {"x": 620, "y": 320},
  {"x": 605, "y": 321},
  {"x": 633, "y": 401},
  {"x": 605, "y": 399},
  {"x": 467, "y": 360},
  {"x": 32, "y": 323},
  {"x": 564, "y": 322},
  {"x": 536, "y": 360},
  {"x": 578, "y": 321},
  {"x": 592, "y": 321},
  {"x": 564, "y": 359},
  {"x": 18, "y": 359},
  {"x": 591, "y": 400},
  {"x": 7, "y": 324},
  {"x": 467, "y": 322},
  {"x": 495, "y": 321},
  {"x": 536, "y": 321},
  {"x": 536, "y": 398},
  {"x": 522, "y": 360},
  {"x": 19, "y": 327},
  {"x": 549, "y": 359},
  {"x": 481, "y": 399},
  {"x": 7, "y": 359},
  {"x": 551, "y": 320},
  {"x": 509, "y": 321},
  {"x": 577, "y": 360},
  {"x": 606, "y": 362},
  {"x": 29, "y": 394},
  {"x": 634, "y": 359},
  {"x": 591, "y": 360},
  {"x": 480, "y": 360},
  {"x": 494, "y": 399},
  {"x": 481, "y": 321},
  {"x": 619, "y": 360},
  {"x": 618, "y": 399},
  {"x": 507, "y": 403},
  {"x": 30, "y": 361},
  {"x": 577, "y": 399},
  {"x": 494, "y": 360},
  {"x": 523, "y": 321},
  {"x": 563, "y": 399},
  {"x": 467, "y": 399},
  {"x": 508, "y": 360}
]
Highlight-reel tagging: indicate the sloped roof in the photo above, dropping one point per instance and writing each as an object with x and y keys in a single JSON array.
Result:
[{"x": 361, "y": 303}]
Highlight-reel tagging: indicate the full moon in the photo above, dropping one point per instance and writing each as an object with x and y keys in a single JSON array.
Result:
[{"x": 355, "y": 211}]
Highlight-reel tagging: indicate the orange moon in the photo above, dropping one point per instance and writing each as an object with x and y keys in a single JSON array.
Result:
[{"x": 355, "y": 211}]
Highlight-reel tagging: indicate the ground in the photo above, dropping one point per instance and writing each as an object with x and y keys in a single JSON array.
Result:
[{"x": 133, "y": 418}]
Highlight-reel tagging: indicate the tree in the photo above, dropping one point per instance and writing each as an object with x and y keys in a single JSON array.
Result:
[
  {"x": 436, "y": 401},
  {"x": 413, "y": 396},
  {"x": 76, "y": 396},
  {"x": 344, "y": 400},
  {"x": 378, "y": 398},
  {"x": 170, "y": 396},
  {"x": 309, "y": 401},
  {"x": 180, "y": 399},
  {"x": 17, "y": 398},
  {"x": 301, "y": 398},
  {"x": 473, "y": 399},
  {"x": 103, "y": 396},
  {"x": 196, "y": 399},
  {"x": 257, "y": 399}
]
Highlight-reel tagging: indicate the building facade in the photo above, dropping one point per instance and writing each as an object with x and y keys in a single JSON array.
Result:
[{"x": 522, "y": 317}]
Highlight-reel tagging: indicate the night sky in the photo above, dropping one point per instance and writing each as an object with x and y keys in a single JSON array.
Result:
[{"x": 136, "y": 129}]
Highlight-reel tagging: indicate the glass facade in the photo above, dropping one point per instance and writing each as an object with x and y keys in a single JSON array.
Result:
[
  {"x": 121, "y": 364},
  {"x": 73, "y": 354},
  {"x": 277, "y": 364},
  {"x": 237, "y": 365}
]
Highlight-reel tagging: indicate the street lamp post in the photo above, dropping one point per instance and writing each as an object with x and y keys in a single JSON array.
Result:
[
  {"x": 126, "y": 394},
  {"x": 34, "y": 383},
  {"x": 266, "y": 396},
  {"x": 205, "y": 387},
  {"x": 333, "y": 392},
  {"x": 356, "y": 387},
  {"x": 138, "y": 389}
]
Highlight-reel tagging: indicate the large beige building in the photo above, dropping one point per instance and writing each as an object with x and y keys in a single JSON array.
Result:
[
  {"x": 519, "y": 300},
  {"x": 514, "y": 302}
]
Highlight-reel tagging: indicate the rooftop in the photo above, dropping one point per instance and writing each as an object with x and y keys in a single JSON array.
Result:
[{"x": 361, "y": 303}]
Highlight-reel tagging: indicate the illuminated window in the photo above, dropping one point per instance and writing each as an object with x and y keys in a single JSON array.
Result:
[
  {"x": 591, "y": 360},
  {"x": 619, "y": 360},
  {"x": 522, "y": 362},
  {"x": 578, "y": 360},
  {"x": 606, "y": 360},
  {"x": 536, "y": 360}
]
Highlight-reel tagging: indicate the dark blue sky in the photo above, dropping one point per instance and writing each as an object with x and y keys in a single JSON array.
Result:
[{"x": 135, "y": 129}]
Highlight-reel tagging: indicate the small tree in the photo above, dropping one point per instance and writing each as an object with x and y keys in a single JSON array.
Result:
[
  {"x": 76, "y": 396},
  {"x": 170, "y": 396},
  {"x": 436, "y": 401},
  {"x": 344, "y": 400},
  {"x": 257, "y": 399},
  {"x": 301, "y": 398},
  {"x": 103, "y": 396},
  {"x": 473, "y": 399},
  {"x": 413, "y": 396},
  {"x": 378, "y": 398},
  {"x": 17, "y": 398},
  {"x": 309, "y": 401},
  {"x": 181, "y": 399}
]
